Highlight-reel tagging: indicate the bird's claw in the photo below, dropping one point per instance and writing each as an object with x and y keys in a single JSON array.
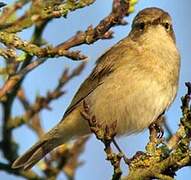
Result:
[{"x": 157, "y": 127}]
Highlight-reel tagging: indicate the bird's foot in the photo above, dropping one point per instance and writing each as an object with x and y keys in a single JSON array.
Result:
[
  {"x": 156, "y": 130},
  {"x": 156, "y": 134}
]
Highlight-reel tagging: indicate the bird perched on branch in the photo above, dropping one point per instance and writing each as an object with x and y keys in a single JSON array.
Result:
[{"x": 133, "y": 83}]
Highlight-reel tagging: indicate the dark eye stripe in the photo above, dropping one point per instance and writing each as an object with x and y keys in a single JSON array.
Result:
[{"x": 140, "y": 26}]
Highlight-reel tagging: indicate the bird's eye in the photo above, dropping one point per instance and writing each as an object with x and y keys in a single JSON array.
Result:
[
  {"x": 141, "y": 26},
  {"x": 167, "y": 26}
]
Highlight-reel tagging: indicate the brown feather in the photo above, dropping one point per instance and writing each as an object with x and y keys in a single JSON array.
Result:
[
  {"x": 104, "y": 66},
  {"x": 21, "y": 161}
]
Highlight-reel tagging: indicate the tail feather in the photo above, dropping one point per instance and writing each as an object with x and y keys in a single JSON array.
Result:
[
  {"x": 72, "y": 127},
  {"x": 55, "y": 137},
  {"x": 34, "y": 154}
]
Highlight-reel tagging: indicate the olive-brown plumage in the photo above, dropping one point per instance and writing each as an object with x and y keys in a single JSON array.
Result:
[{"x": 133, "y": 82}]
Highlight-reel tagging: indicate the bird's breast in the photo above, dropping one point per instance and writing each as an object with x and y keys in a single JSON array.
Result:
[{"x": 132, "y": 97}]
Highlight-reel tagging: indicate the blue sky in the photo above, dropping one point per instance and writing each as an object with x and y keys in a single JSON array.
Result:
[{"x": 45, "y": 77}]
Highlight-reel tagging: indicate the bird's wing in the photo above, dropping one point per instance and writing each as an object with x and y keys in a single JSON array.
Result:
[{"x": 104, "y": 66}]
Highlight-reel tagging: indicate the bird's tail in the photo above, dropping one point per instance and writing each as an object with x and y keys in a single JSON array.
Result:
[
  {"x": 37, "y": 152},
  {"x": 55, "y": 137},
  {"x": 33, "y": 155}
]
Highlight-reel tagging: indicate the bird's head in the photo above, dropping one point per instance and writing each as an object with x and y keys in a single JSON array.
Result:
[{"x": 152, "y": 19}]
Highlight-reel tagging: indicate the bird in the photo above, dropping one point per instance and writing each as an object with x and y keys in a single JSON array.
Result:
[{"x": 132, "y": 84}]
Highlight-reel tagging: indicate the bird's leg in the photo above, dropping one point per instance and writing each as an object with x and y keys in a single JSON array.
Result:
[
  {"x": 156, "y": 134},
  {"x": 127, "y": 161},
  {"x": 156, "y": 128}
]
